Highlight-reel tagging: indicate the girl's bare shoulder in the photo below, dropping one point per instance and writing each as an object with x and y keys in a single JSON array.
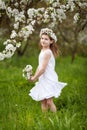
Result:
[{"x": 47, "y": 51}]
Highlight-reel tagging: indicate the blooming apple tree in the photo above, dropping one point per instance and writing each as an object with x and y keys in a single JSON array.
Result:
[{"x": 24, "y": 18}]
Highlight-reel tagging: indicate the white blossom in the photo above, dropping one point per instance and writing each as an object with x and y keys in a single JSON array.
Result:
[
  {"x": 82, "y": 4},
  {"x": 6, "y": 42},
  {"x": 76, "y": 17},
  {"x": 18, "y": 45},
  {"x": 2, "y": 56},
  {"x": 16, "y": 25},
  {"x": 45, "y": 16},
  {"x": 20, "y": 17},
  {"x": 15, "y": 12},
  {"x": 53, "y": 13},
  {"x": 31, "y": 13},
  {"x": 70, "y": 5},
  {"x": 9, "y": 11},
  {"x": 16, "y": 4},
  {"x": 33, "y": 22},
  {"x": 61, "y": 14},
  {"x": 2, "y": 5},
  {"x": 10, "y": 47},
  {"x": 40, "y": 10},
  {"x": 52, "y": 25},
  {"x": 56, "y": 4},
  {"x": 13, "y": 34},
  {"x": 9, "y": 54},
  {"x": 26, "y": 31}
]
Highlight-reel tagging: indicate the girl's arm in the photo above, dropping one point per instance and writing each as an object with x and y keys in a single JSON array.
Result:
[
  {"x": 37, "y": 70},
  {"x": 41, "y": 70}
]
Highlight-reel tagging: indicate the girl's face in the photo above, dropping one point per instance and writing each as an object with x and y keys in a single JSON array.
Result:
[{"x": 45, "y": 41}]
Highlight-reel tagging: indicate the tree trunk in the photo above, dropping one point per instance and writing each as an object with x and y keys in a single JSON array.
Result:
[
  {"x": 73, "y": 54},
  {"x": 75, "y": 46},
  {"x": 21, "y": 51}
]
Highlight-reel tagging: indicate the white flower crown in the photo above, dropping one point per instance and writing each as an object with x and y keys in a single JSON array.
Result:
[{"x": 49, "y": 32}]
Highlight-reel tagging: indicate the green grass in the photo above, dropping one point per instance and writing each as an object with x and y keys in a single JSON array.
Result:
[{"x": 19, "y": 112}]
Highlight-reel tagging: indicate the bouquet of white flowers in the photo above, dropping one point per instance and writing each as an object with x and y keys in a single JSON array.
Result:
[{"x": 27, "y": 72}]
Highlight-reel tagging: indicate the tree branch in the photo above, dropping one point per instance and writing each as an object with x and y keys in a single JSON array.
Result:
[{"x": 80, "y": 7}]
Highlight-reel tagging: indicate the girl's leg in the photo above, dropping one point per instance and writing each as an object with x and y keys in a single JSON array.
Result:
[
  {"x": 51, "y": 105},
  {"x": 44, "y": 105}
]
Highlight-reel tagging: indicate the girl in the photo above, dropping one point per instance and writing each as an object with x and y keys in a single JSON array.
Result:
[{"x": 47, "y": 86}]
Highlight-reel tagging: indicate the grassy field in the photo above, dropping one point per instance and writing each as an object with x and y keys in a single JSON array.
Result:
[{"x": 19, "y": 112}]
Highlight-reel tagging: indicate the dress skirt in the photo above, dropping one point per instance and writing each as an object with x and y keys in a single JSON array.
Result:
[{"x": 46, "y": 88}]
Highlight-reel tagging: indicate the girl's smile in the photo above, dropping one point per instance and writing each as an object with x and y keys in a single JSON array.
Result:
[{"x": 45, "y": 41}]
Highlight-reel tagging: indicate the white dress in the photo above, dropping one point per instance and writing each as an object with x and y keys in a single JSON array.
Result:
[{"x": 48, "y": 85}]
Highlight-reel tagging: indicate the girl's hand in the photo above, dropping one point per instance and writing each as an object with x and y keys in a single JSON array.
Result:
[{"x": 32, "y": 79}]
